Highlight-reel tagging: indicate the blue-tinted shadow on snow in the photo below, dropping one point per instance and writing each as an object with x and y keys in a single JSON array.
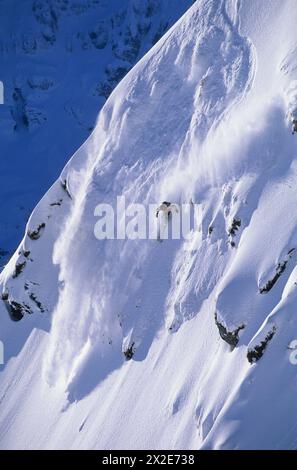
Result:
[
  {"x": 144, "y": 324},
  {"x": 14, "y": 335},
  {"x": 95, "y": 368}
]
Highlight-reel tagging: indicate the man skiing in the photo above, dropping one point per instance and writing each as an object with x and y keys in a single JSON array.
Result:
[{"x": 165, "y": 210}]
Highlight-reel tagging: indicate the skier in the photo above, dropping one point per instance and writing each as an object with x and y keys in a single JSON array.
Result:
[{"x": 166, "y": 209}]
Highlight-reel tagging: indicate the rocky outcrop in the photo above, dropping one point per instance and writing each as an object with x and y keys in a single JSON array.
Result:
[
  {"x": 232, "y": 231},
  {"x": 231, "y": 337},
  {"x": 15, "y": 309},
  {"x": 280, "y": 269},
  {"x": 35, "y": 234},
  {"x": 129, "y": 352},
  {"x": 254, "y": 354}
]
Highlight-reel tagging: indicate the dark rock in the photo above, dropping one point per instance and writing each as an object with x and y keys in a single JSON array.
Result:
[
  {"x": 99, "y": 36},
  {"x": 58, "y": 203},
  {"x": 231, "y": 337},
  {"x": 103, "y": 89},
  {"x": 33, "y": 297},
  {"x": 129, "y": 352},
  {"x": 236, "y": 223},
  {"x": 160, "y": 32},
  {"x": 4, "y": 296},
  {"x": 253, "y": 355},
  {"x": 49, "y": 37},
  {"x": 19, "y": 110},
  {"x": 113, "y": 75},
  {"x": 279, "y": 271},
  {"x": 43, "y": 84},
  {"x": 19, "y": 267},
  {"x": 29, "y": 43},
  {"x": 35, "y": 234},
  {"x": 65, "y": 187},
  {"x": 15, "y": 309}
]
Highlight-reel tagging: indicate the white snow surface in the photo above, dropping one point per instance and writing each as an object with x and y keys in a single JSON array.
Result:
[{"x": 205, "y": 117}]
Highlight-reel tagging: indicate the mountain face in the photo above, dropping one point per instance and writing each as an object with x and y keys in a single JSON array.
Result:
[
  {"x": 182, "y": 343},
  {"x": 59, "y": 62}
]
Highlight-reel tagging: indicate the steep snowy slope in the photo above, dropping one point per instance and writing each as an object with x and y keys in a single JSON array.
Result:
[
  {"x": 207, "y": 323},
  {"x": 59, "y": 61}
]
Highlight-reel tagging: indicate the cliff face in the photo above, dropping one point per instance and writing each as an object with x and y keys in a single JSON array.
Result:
[
  {"x": 184, "y": 343},
  {"x": 59, "y": 62}
]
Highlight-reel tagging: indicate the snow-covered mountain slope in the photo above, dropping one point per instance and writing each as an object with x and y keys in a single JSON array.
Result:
[
  {"x": 207, "y": 322},
  {"x": 59, "y": 61}
]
